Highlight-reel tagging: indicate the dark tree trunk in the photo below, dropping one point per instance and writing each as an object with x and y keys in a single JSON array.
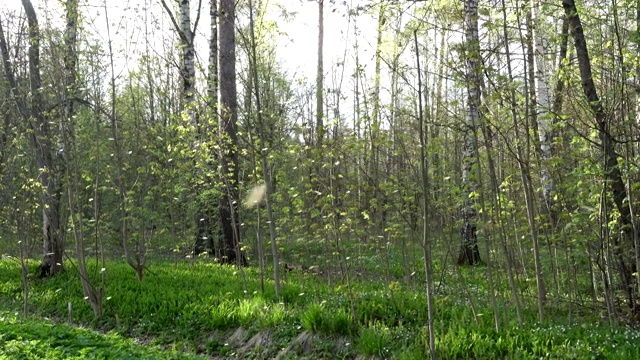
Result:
[
  {"x": 624, "y": 252},
  {"x": 228, "y": 118},
  {"x": 469, "y": 252},
  {"x": 41, "y": 144},
  {"x": 40, "y": 140}
]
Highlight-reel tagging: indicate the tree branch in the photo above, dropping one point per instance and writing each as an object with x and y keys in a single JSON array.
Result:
[
  {"x": 195, "y": 25},
  {"x": 182, "y": 35}
]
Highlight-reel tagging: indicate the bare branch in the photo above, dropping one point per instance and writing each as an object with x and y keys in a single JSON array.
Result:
[
  {"x": 195, "y": 25},
  {"x": 182, "y": 35}
]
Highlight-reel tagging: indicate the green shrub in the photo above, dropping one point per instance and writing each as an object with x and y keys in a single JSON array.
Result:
[
  {"x": 312, "y": 318},
  {"x": 223, "y": 316},
  {"x": 374, "y": 340}
]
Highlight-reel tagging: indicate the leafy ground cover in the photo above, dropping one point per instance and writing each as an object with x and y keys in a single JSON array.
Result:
[
  {"x": 217, "y": 311},
  {"x": 44, "y": 339}
]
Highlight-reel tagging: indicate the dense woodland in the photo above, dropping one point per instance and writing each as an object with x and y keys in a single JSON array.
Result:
[{"x": 451, "y": 142}]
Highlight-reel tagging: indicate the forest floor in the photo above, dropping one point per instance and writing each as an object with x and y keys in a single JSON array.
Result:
[{"x": 203, "y": 310}]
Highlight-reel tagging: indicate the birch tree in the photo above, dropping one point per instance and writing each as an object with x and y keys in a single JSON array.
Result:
[
  {"x": 187, "y": 67},
  {"x": 186, "y": 34},
  {"x": 542, "y": 117},
  {"x": 469, "y": 253}
]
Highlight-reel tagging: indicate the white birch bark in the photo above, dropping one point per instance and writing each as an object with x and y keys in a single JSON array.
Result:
[
  {"x": 188, "y": 70},
  {"x": 469, "y": 254},
  {"x": 544, "y": 120}
]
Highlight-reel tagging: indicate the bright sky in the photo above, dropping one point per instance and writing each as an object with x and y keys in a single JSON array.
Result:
[{"x": 297, "y": 50}]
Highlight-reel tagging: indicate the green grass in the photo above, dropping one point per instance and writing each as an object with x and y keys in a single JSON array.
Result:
[
  {"x": 42, "y": 339},
  {"x": 205, "y": 308}
]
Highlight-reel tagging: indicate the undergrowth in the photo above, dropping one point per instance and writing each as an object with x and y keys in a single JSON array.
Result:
[
  {"x": 42, "y": 339},
  {"x": 204, "y": 308}
]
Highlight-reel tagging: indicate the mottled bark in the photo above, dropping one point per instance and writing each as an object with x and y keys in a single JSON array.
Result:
[
  {"x": 543, "y": 119},
  {"x": 187, "y": 68},
  {"x": 212, "y": 79},
  {"x": 186, "y": 33},
  {"x": 469, "y": 253}
]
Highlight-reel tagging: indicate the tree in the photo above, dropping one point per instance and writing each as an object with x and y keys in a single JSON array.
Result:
[
  {"x": 36, "y": 121},
  {"x": 624, "y": 252},
  {"x": 320, "y": 78},
  {"x": 543, "y": 119},
  {"x": 186, "y": 34},
  {"x": 426, "y": 241},
  {"x": 469, "y": 253},
  {"x": 228, "y": 119},
  {"x": 267, "y": 177}
]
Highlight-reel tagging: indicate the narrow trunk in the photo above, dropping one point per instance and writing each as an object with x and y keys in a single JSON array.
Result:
[
  {"x": 90, "y": 293},
  {"x": 263, "y": 158},
  {"x": 205, "y": 218},
  {"x": 637, "y": 77},
  {"x": 426, "y": 241},
  {"x": 320, "y": 78},
  {"x": 376, "y": 200},
  {"x": 522, "y": 152}
]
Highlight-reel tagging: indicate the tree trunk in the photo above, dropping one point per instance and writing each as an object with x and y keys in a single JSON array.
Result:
[
  {"x": 523, "y": 156},
  {"x": 205, "y": 218},
  {"x": 624, "y": 252},
  {"x": 543, "y": 104},
  {"x": 204, "y": 215},
  {"x": 469, "y": 253},
  {"x": 320, "y": 78},
  {"x": 263, "y": 156},
  {"x": 228, "y": 118},
  {"x": 71, "y": 156},
  {"x": 49, "y": 178},
  {"x": 426, "y": 241},
  {"x": 187, "y": 69}
]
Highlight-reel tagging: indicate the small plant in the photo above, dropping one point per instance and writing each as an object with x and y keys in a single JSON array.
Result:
[
  {"x": 312, "y": 318},
  {"x": 223, "y": 316},
  {"x": 341, "y": 323},
  {"x": 375, "y": 340}
]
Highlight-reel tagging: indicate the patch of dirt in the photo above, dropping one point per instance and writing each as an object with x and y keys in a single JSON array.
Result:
[
  {"x": 302, "y": 344},
  {"x": 343, "y": 345},
  {"x": 258, "y": 346},
  {"x": 238, "y": 338}
]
